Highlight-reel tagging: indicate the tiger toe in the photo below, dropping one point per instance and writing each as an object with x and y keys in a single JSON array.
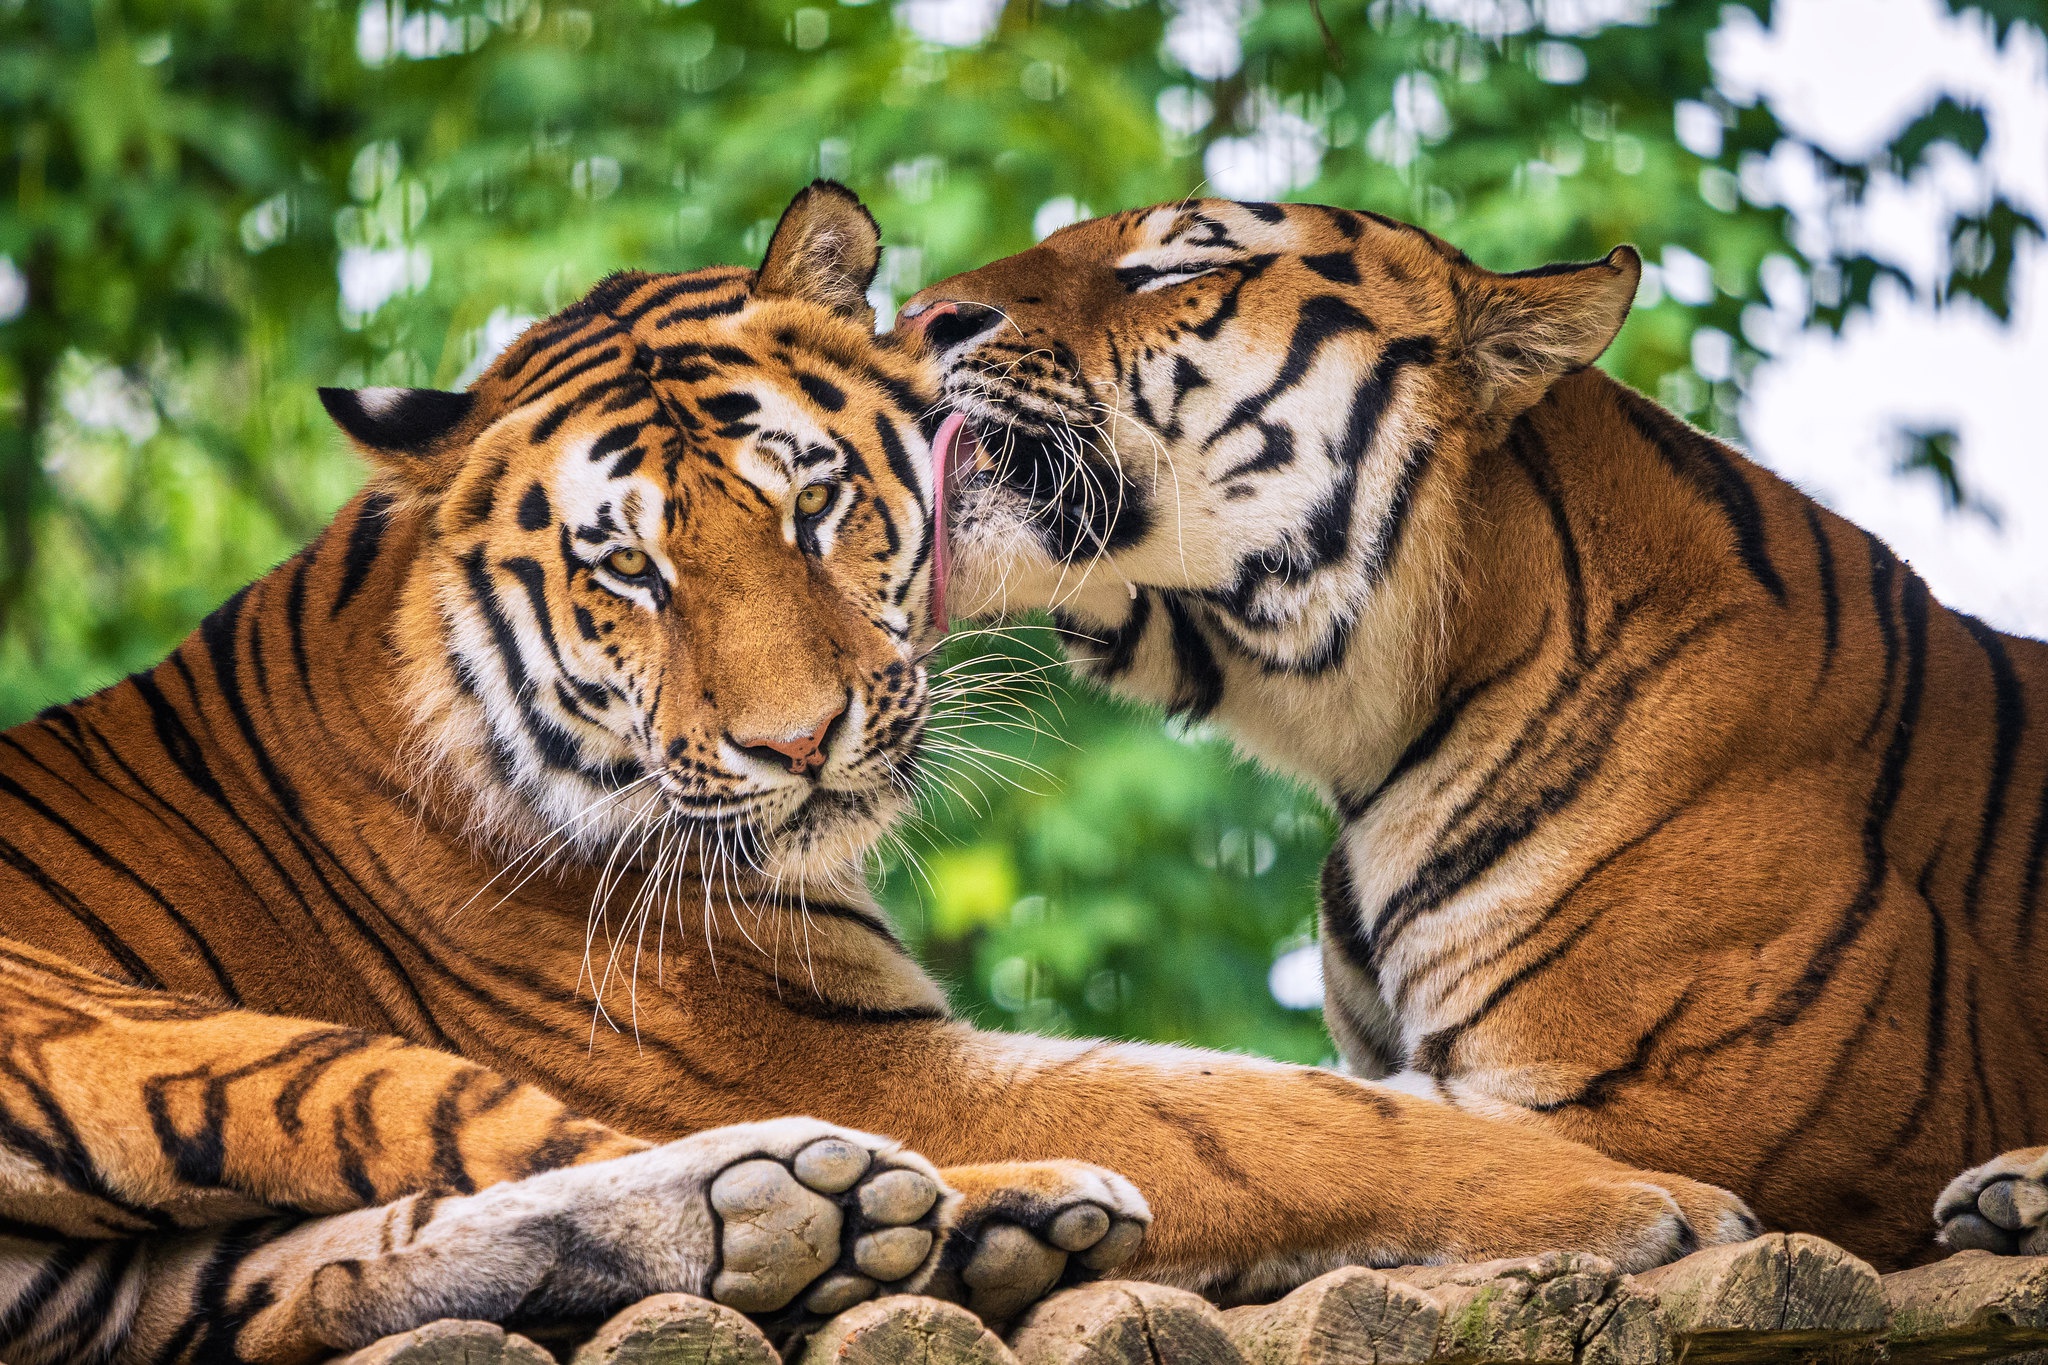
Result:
[
  {"x": 2000, "y": 1206},
  {"x": 832, "y": 1218},
  {"x": 1027, "y": 1228}
]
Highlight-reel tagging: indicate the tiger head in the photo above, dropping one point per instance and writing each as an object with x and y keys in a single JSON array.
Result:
[
  {"x": 1231, "y": 422},
  {"x": 672, "y": 586}
]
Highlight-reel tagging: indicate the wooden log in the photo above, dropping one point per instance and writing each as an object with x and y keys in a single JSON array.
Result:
[
  {"x": 676, "y": 1329},
  {"x": 1559, "y": 1308},
  {"x": 904, "y": 1329},
  {"x": 451, "y": 1341},
  {"x": 1123, "y": 1322},
  {"x": 1352, "y": 1316},
  {"x": 1972, "y": 1306},
  {"x": 1770, "y": 1298}
]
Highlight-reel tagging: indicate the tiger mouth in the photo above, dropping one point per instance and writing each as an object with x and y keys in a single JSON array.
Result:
[{"x": 1075, "y": 506}]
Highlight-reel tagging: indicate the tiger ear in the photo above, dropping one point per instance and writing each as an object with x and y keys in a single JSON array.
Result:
[
  {"x": 400, "y": 429},
  {"x": 1525, "y": 330},
  {"x": 824, "y": 251}
]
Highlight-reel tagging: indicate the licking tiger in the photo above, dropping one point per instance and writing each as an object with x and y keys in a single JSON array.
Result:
[
  {"x": 451, "y": 925},
  {"x": 1676, "y": 817}
]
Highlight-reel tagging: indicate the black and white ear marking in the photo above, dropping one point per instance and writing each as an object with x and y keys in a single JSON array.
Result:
[{"x": 387, "y": 421}]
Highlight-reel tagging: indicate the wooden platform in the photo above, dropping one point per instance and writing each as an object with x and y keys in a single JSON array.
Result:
[{"x": 1779, "y": 1298}]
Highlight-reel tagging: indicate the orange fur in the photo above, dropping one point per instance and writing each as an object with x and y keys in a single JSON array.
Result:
[
  {"x": 273, "y": 950},
  {"x": 1678, "y": 819}
]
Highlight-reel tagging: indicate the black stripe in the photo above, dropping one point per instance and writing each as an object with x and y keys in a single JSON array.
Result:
[
  {"x": 603, "y": 356},
  {"x": 1433, "y": 1053},
  {"x": 2031, "y": 868},
  {"x": 105, "y": 858},
  {"x": 2009, "y": 720},
  {"x": 1199, "y": 689},
  {"x": 1117, "y": 645},
  {"x": 1932, "y": 1067},
  {"x": 1793, "y": 1001},
  {"x": 1369, "y": 404},
  {"x": 61, "y": 896},
  {"x": 1883, "y": 569},
  {"x": 1830, "y": 595},
  {"x": 365, "y": 539},
  {"x": 1321, "y": 319},
  {"x": 1533, "y": 456},
  {"x": 1714, "y": 473},
  {"x": 1425, "y": 745},
  {"x": 1387, "y": 544}
]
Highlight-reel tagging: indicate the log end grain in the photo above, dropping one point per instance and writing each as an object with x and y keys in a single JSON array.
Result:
[
  {"x": 904, "y": 1329},
  {"x": 1124, "y": 1322},
  {"x": 676, "y": 1329}
]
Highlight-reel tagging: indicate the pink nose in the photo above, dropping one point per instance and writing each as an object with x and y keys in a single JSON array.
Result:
[
  {"x": 804, "y": 752},
  {"x": 915, "y": 317}
]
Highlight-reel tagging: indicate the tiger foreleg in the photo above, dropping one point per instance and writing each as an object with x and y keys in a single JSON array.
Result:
[
  {"x": 2000, "y": 1206},
  {"x": 787, "y": 1220},
  {"x": 131, "y": 1113}
]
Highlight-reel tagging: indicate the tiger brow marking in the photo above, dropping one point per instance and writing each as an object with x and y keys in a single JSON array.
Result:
[{"x": 1322, "y": 319}]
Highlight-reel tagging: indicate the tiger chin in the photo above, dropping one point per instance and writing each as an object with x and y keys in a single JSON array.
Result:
[
  {"x": 1676, "y": 817},
  {"x": 453, "y": 924}
]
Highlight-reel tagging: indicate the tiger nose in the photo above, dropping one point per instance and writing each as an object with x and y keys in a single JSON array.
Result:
[
  {"x": 805, "y": 751},
  {"x": 945, "y": 323}
]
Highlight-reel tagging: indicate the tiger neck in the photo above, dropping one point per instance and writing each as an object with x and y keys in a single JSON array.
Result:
[{"x": 1580, "y": 570}]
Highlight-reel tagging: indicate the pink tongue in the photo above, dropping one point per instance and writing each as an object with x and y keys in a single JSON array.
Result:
[{"x": 955, "y": 438}]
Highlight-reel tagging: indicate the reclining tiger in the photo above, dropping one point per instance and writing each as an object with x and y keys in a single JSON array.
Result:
[
  {"x": 1675, "y": 816},
  {"x": 299, "y": 1045}
]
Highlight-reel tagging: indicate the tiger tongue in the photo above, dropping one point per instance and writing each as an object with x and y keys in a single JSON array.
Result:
[{"x": 954, "y": 443}]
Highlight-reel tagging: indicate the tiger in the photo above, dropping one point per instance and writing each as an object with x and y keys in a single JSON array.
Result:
[
  {"x": 1674, "y": 815},
  {"x": 322, "y": 982}
]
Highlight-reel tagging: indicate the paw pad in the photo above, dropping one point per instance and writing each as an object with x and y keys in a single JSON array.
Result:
[{"x": 832, "y": 1226}]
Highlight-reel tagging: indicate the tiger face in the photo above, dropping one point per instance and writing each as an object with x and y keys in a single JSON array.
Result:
[
  {"x": 1214, "y": 429},
  {"x": 675, "y": 584}
]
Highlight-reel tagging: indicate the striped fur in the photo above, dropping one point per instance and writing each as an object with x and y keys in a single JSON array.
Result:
[
  {"x": 1677, "y": 817},
  {"x": 356, "y": 954}
]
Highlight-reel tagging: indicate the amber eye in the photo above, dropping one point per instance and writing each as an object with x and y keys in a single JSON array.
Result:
[
  {"x": 627, "y": 563},
  {"x": 813, "y": 499}
]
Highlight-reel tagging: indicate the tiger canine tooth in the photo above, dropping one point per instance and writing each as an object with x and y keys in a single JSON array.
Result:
[
  {"x": 1078, "y": 1228},
  {"x": 892, "y": 1253},
  {"x": 898, "y": 1197},
  {"x": 830, "y": 1165}
]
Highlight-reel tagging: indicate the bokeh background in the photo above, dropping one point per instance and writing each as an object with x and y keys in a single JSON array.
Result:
[{"x": 208, "y": 207}]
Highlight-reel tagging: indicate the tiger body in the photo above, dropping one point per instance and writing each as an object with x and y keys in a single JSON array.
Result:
[
  {"x": 1675, "y": 816},
  {"x": 443, "y": 927}
]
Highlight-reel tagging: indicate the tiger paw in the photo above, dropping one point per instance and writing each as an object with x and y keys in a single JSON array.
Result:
[
  {"x": 825, "y": 1222},
  {"x": 1024, "y": 1229},
  {"x": 790, "y": 1221},
  {"x": 1637, "y": 1220},
  {"x": 2000, "y": 1206}
]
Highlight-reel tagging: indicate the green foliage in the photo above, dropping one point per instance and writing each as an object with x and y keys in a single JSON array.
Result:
[{"x": 207, "y": 208}]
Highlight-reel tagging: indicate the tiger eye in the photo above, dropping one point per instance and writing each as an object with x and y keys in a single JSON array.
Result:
[
  {"x": 627, "y": 563},
  {"x": 812, "y": 500}
]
